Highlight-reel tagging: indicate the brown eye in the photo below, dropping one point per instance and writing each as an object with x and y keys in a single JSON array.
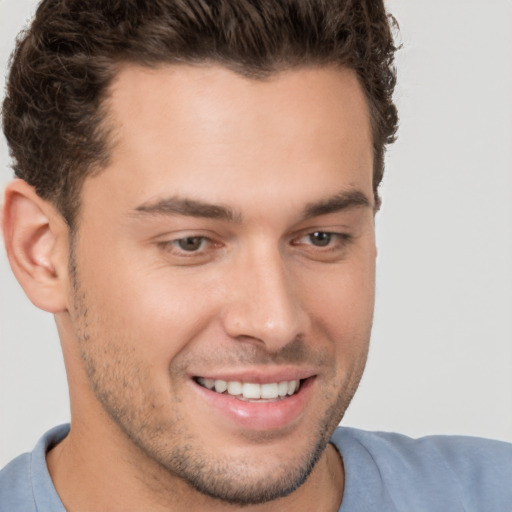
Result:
[
  {"x": 320, "y": 238},
  {"x": 190, "y": 243}
]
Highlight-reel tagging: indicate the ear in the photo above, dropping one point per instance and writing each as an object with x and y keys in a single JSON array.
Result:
[{"x": 36, "y": 239}]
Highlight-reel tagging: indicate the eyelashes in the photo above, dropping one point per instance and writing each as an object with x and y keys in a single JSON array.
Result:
[
  {"x": 317, "y": 245},
  {"x": 324, "y": 239},
  {"x": 190, "y": 243}
]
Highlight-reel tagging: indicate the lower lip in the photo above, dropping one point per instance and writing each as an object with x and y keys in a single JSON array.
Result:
[{"x": 259, "y": 415}]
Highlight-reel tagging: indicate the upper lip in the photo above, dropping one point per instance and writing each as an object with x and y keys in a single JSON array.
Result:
[{"x": 261, "y": 376}]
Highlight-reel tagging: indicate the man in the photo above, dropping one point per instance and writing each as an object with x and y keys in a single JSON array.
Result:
[{"x": 197, "y": 184}]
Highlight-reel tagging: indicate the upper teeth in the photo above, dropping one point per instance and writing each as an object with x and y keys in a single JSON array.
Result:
[{"x": 251, "y": 390}]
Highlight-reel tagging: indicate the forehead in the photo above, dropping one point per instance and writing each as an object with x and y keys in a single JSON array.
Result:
[
  {"x": 192, "y": 130},
  {"x": 212, "y": 100}
]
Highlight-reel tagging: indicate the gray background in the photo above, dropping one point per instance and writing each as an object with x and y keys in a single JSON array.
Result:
[{"x": 441, "y": 357}]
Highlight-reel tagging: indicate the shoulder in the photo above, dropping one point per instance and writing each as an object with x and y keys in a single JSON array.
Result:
[
  {"x": 25, "y": 484},
  {"x": 15, "y": 487},
  {"x": 447, "y": 472}
]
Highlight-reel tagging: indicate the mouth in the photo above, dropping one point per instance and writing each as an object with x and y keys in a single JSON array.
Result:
[
  {"x": 252, "y": 391},
  {"x": 258, "y": 402}
]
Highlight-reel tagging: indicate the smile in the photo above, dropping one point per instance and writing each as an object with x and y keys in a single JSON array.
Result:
[{"x": 251, "y": 391}]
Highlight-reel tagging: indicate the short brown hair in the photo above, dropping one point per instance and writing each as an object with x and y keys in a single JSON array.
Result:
[{"x": 64, "y": 63}]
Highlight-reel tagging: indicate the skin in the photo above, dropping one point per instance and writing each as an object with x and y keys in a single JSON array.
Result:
[{"x": 258, "y": 295}]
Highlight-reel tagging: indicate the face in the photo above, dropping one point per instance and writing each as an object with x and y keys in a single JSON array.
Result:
[{"x": 223, "y": 273}]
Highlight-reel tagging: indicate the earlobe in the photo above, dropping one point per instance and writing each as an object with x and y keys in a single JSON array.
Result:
[{"x": 36, "y": 241}]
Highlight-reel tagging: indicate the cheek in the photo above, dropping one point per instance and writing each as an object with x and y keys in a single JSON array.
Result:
[
  {"x": 343, "y": 296},
  {"x": 150, "y": 310},
  {"x": 340, "y": 307}
]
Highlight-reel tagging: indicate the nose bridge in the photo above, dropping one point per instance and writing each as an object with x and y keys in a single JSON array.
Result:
[{"x": 263, "y": 302}]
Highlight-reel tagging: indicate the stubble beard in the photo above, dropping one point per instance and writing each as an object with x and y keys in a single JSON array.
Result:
[{"x": 229, "y": 480}]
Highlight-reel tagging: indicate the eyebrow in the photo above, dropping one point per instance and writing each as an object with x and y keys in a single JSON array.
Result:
[
  {"x": 194, "y": 208},
  {"x": 190, "y": 208},
  {"x": 343, "y": 201}
]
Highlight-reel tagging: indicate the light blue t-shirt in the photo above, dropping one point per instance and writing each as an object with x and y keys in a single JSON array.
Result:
[{"x": 383, "y": 473}]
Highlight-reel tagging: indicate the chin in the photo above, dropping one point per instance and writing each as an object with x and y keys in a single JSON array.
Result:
[{"x": 243, "y": 480}]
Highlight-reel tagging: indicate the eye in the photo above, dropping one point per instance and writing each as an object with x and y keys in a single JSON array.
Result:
[
  {"x": 190, "y": 243},
  {"x": 323, "y": 245},
  {"x": 325, "y": 239},
  {"x": 190, "y": 250},
  {"x": 320, "y": 238}
]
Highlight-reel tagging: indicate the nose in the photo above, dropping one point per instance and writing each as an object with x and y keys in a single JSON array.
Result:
[{"x": 263, "y": 302}]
